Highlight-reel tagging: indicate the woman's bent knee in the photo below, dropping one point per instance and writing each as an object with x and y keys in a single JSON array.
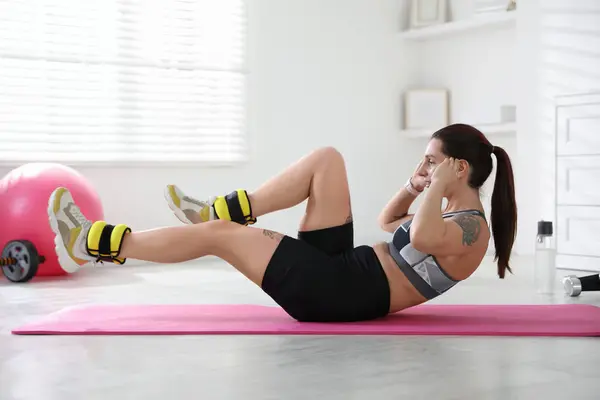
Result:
[{"x": 330, "y": 153}]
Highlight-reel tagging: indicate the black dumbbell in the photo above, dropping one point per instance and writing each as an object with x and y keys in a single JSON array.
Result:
[{"x": 574, "y": 285}]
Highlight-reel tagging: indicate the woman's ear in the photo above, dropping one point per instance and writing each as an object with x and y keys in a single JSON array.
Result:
[{"x": 463, "y": 168}]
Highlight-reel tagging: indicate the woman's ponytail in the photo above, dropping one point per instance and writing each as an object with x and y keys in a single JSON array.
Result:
[{"x": 504, "y": 210}]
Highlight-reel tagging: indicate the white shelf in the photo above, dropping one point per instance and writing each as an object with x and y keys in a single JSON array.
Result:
[
  {"x": 507, "y": 129},
  {"x": 492, "y": 19}
]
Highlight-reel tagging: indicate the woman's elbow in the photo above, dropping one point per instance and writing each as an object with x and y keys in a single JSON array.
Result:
[
  {"x": 385, "y": 227},
  {"x": 384, "y": 224},
  {"x": 421, "y": 241}
]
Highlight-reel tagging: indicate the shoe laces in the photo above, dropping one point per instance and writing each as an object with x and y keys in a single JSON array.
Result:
[
  {"x": 97, "y": 262},
  {"x": 84, "y": 222},
  {"x": 77, "y": 214}
]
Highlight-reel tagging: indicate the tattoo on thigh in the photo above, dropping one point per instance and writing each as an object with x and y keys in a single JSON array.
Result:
[
  {"x": 349, "y": 218},
  {"x": 470, "y": 226},
  {"x": 273, "y": 235}
]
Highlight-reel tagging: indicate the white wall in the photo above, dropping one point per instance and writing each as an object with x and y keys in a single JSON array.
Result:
[
  {"x": 527, "y": 180},
  {"x": 320, "y": 73},
  {"x": 559, "y": 53},
  {"x": 477, "y": 68}
]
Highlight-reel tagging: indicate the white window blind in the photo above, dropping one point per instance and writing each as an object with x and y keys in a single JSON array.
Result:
[{"x": 122, "y": 80}]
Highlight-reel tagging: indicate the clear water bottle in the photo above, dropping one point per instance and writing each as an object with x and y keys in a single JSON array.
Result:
[{"x": 545, "y": 259}]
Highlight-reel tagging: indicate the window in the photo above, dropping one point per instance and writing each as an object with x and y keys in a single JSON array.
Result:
[{"x": 122, "y": 80}]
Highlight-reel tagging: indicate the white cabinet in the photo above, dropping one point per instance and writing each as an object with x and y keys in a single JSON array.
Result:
[
  {"x": 578, "y": 229},
  {"x": 577, "y": 180},
  {"x": 577, "y": 128}
]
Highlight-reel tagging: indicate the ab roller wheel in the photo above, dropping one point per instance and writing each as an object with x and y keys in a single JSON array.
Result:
[{"x": 20, "y": 261}]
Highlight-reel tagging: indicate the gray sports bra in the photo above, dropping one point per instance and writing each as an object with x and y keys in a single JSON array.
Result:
[{"x": 421, "y": 269}]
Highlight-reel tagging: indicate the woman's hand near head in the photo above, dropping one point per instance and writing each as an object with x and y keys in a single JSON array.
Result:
[
  {"x": 420, "y": 178},
  {"x": 446, "y": 173},
  {"x": 396, "y": 210}
]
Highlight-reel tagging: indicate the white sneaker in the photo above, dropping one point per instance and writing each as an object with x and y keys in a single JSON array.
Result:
[
  {"x": 71, "y": 228},
  {"x": 187, "y": 209}
]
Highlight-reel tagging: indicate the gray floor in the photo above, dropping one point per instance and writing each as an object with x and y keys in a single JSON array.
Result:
[{"x": 278, "y": 367}]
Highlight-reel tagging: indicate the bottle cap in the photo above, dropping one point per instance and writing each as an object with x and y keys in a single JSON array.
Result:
[{"x": 545, "y": 228}]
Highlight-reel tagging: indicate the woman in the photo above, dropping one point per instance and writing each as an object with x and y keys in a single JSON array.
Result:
[{"x": 321, "y": 276}]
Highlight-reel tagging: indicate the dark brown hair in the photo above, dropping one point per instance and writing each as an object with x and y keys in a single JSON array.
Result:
[{"x": 465, "y": 142}]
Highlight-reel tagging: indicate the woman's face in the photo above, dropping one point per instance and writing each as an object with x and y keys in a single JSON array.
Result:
[{"x": 432, "y": 158}]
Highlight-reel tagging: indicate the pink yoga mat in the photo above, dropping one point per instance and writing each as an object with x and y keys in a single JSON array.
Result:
[{"x": 481, "y": 320}]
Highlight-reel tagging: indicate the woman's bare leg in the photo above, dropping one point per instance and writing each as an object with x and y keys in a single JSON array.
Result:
[
  {"x": 319, "y": 177},
  {"x": 247, "y": 249},
  {"x": 79, "y": 241}
]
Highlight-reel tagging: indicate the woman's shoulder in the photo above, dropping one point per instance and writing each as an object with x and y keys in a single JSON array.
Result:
[{"x": 473, "y": 225}]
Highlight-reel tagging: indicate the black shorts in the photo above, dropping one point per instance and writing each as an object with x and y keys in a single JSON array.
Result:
[{"x": 322, "y": 277}]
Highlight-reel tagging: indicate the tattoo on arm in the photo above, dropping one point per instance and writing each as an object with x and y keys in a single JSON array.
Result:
[
  {"x": 273, "y": 235},
  {"x": 470, "y": 226}
]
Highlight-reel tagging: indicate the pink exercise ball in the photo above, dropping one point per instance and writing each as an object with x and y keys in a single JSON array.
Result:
[{"x": 24, "y": 194}]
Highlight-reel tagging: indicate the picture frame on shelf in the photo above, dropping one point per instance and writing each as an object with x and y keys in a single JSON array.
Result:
[
  {"x": 426, "y": 108},
  {"x": 488, "y": 6},
  {"x": 425, "y": 13}
]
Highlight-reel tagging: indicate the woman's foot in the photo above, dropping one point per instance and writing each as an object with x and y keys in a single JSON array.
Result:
[
  {"x": 187, "y": 209},
  {"x": 71, "y": 228},
  {"x": 79, "y": 241},
  {"x": 233, "y": 207}
]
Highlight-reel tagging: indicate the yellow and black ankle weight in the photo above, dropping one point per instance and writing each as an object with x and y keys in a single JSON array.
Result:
[
  {"x": 234, "y": 207},
  {"x": 104, "y": 241}
]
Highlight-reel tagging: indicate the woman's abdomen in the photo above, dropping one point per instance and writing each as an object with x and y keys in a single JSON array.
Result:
[{"x": 402, "y": 293}]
